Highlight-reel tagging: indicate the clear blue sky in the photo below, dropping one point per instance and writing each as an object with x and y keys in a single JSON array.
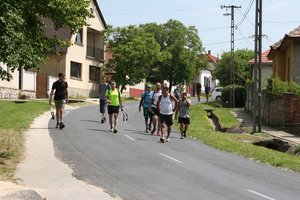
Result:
[{"x": 279, "y": 17}]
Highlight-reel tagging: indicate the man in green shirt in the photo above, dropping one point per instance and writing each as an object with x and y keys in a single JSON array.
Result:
[{"x": 114, "y": 101}]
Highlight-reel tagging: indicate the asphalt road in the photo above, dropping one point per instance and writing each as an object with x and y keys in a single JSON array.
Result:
[{"x": 136, "y": 166}]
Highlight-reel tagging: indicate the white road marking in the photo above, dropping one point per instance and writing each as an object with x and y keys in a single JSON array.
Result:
[
  {"x": 130, "y": 138},
  {"x": 171, "y": 158},
  {"x": 261, "y": 195}
]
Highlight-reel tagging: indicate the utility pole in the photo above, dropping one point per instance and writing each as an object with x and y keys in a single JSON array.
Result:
[
  {"x": 256, "y": 95},
  {"x": 232, "y": 63}
]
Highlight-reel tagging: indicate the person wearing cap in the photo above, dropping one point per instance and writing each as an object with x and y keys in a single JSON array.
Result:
[
  {"x": 145, "y": 102},
  {"x": 114, "y": 101},
  {"x": 60, "y": 98},
  {"x": 103, "y": 87},
  {"x": 153, "y": 108}
]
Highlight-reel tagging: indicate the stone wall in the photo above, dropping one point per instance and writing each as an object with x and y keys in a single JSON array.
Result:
[{"x": 6, "y": 93}]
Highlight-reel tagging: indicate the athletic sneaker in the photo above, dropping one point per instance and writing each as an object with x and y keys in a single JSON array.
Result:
[
  {"x": 147, "y": 130},
  {"x": 153, "y": 131},
  {"x": 115, "y": 131},
  {"x": 158, "y": 133},
  {"x": 184, "y": 133},
  {"x": 61, "y": 125},
  {"x": 111, "y": 129},
  {"x": 57, "y": 124},
  {"x": 162, "y": 140},
  {"x": 168, "y": 139}
]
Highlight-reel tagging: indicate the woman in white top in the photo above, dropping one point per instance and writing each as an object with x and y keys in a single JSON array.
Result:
[{"x": 165, "y": 107}]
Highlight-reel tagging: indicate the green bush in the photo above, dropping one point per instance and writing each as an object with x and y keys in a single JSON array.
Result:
[
  {"x": 239, "y": 93},
  {"x": 277, "y": 87}
]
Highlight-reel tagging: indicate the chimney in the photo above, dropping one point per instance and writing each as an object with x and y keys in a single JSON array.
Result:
[{"x": 209, "y": 51}]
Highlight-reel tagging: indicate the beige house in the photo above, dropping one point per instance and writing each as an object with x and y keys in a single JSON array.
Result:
[
  {"x": 285, "y": 55},
  {"x": 23, "y": 84},
  {"x": 81, "y": 63}
]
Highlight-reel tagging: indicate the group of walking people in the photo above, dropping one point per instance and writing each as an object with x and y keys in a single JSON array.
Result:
[{"x": 158, "y": 108}]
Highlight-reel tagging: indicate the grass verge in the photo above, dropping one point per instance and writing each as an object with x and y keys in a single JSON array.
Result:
[
  {"x": 240, "y": 144},
  {"x": 15, "y": 118}
]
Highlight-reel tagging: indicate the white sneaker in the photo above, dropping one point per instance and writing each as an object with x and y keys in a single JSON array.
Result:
[
  {"x": 111, "y": 130},
  {"x": 168, "y": 139}
]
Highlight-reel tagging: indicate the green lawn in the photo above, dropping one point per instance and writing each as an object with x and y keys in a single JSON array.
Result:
[
  {"x": 240, "y": 144},
  {"x": 15, "y": 118}
]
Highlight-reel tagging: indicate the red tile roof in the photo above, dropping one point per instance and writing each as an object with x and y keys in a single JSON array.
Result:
[
  {"x": 210, "y": 57},
  {"x": 264, "y": 58}
]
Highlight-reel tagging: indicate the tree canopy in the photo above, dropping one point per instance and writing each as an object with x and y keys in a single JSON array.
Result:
[
  {"x": 134, "y": 52},
  {"x": 22, "y": 40},
  {"x": 167, "y": 51},
  {"x": 242, "y": 68}
]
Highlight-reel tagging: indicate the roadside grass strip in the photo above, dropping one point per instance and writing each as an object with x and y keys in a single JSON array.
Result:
[
  {"x": 15, "y": 119},
  {"x": 240, "y": 144}
]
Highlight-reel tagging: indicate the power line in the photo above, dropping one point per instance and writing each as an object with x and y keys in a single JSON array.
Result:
[
  {"x": 280, "y": 22},
  {"x": 215, "y": 28},
  {"x": 160, "y": 12},
  {"x": 246, "y": 13},
  {"x": 215, "y": 43}
]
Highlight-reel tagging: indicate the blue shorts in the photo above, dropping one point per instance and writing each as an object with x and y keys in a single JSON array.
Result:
[{"x": 103, "y": 105}]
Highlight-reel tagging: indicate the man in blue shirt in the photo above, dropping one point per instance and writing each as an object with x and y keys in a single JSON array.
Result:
[
  {"x": 145, "y": 102},
  {"x": 102, "y": 98}
]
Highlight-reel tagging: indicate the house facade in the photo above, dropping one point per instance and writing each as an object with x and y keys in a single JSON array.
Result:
[
  {"x": 286, "y": 57},
  {"x": 82, "y": 63},
  {"x": 22, "y": 85},
  {"x": 204, "y": 76},
  {"x": 266, "y": 65}
]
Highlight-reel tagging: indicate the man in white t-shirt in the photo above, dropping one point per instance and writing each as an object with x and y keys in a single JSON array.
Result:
[{"x": 153, "y": 108}]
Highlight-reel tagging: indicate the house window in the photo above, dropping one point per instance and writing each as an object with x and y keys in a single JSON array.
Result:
[
  {"x": 79, "y": 37},
  {"x": 94, "y": 73},
  {"x": 75, "y": 70}
]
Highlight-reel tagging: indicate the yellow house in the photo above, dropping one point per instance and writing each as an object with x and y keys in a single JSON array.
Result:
[
  {"x": 286, "y": 57},
  {"x": 82, "y": 62}
]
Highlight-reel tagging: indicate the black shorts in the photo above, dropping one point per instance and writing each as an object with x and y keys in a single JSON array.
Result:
[
  {"x": 167, "y": 119},
  {"x": 103, "y": 105},
  {"x": 184, "y": 120},
  {"x": 155, "y": 111},
  {"x": 113, "y": 109}
]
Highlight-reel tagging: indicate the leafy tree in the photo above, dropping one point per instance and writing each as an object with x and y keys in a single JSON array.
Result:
[
  {"x": 242, "y": 68},
  {"x": 181, "y": 51},
  {"x": 134, "y": 52},
  {"x": 22, "y": 40}
]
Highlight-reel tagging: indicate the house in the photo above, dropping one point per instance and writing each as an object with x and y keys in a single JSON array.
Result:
[
  {"x": 204, "y": 76},
  {"x": 286, "y": 57},
  {"x": 82, "y": 63},
  {"x": 266, "y": 65},
  {"x": 22, "y": 84}
]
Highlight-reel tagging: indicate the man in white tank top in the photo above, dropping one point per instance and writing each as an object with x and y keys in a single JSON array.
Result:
[{"x": 165, "y": 107}]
